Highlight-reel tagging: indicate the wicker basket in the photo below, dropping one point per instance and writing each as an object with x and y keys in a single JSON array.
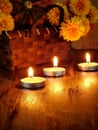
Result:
[{"x": 18, "y": 49}]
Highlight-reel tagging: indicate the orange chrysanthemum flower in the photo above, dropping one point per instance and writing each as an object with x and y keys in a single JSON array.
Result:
[
  {"x": 6, "y": 20},
  {"x": 6, "y": 23},
  {"x": 10, "y": 23},
  {"x": 72, "y": 30},
  {"x": 80, "y": 7},
  {"x": 6, "y": 6},
  {"x": 93, "y": 15},
  {"x": 53, "y": 16},
  {"x": 86, "y": 24}
]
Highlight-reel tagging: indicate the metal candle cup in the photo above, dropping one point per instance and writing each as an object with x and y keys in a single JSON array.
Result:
[
  {"x": 54, "y": 71},
  {"x": 88, "y": 66},
  {"x": 35, "y": 82}
]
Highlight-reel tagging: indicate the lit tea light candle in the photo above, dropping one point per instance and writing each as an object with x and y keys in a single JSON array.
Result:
[
  {"x": 54, "y": 71},
  {"x": 32, "y": 81},
  {"x": 88, "y": 66}
]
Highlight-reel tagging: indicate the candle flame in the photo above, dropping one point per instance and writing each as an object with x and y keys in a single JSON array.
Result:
[
  {"x": 55, "y": 61},
  {"x": 87, "y": 57},
  {"x": 30, "y": 72}
]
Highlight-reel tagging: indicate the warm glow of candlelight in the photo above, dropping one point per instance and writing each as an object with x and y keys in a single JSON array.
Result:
[
  {"x": 29, "y": 100},
  {"x": 87, "y": 57},
  {"x": 89, "y": 81},
  {"x": 30, "y": 72},
  {"x": 55, "y": 61},
  {"x": 56, "y": 88}
]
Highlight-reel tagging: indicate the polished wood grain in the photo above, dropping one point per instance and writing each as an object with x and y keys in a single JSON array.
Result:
[{"x": 65, "y": 103}]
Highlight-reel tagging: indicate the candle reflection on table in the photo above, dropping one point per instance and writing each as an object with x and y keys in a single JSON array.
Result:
[
  {"x": 30, "y": 101},
  {"x": 56, "y": 86},
  {"x": 88, "y": 80}
]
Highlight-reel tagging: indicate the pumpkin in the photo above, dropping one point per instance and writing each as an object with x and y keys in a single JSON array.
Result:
[{"x": 27, "y": 12}]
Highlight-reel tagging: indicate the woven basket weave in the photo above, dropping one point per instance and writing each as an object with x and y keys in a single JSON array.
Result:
[{"x": 18, "y": 50}]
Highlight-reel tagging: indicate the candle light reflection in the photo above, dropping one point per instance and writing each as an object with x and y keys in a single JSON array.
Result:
[
  {"x": 56, "y": 87},
  {"x": 30, "y": 101},
  {"x": 88, "y": 81}
]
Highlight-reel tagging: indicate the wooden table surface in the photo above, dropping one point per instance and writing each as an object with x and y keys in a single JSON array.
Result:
[{"x": 65, "y": 103}]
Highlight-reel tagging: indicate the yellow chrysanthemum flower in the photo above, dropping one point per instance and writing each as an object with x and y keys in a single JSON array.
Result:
[
  {"x": 53, "y": 16},
  {"x": 72, "y": 30},
  {"x": 66, "y": 13},
  {"x": 93, "y": 15},
  {"x": 6, "y": 23},
  {"x": 10, "y": 23},
  {"x": 86, "y": 24},
  {"x": 80, "y": 7},
  {"x": 6, "y": 20},
  {"x": 6, "y": 6},
  {"x": 1, "y": 24}
]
